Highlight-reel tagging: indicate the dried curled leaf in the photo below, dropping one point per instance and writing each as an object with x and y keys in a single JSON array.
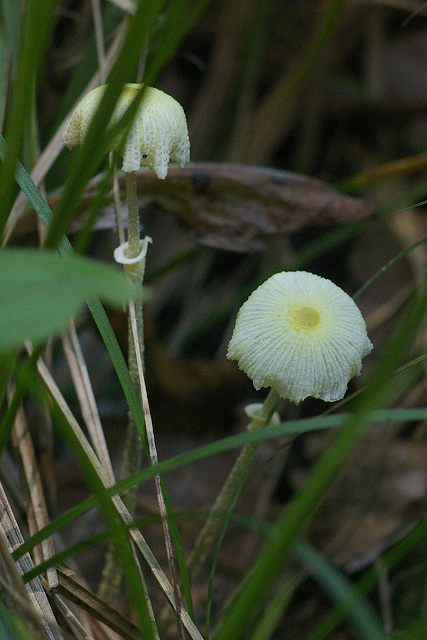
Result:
[{"x": 240, "y": 207}]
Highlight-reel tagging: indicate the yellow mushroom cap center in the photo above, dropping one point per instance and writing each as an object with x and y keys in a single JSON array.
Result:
[{"x": 304, "y": 318}]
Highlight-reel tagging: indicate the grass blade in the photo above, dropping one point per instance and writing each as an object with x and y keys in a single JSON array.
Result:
[
  {"x": 391, "y": 559},
  {"x": 38, "y": 21},
  {"x": 364, "y": 620}
]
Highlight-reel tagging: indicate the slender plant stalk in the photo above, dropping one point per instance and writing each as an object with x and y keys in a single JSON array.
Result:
[
  {"x": 111, "y": 574},
  {"x": 207, "y": 537},
  {"x": 154, "y": 461}
]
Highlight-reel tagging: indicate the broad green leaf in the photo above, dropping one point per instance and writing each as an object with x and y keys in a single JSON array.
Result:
[{"x": 40, "y": 291}]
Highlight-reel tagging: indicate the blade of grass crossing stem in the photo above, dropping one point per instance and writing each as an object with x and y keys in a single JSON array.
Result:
[
  {"x": 96, "y": 142},
  {"x": 97, "y": 310},
  {"x": 278, "y": 548},
  {"x": 391, "y": 559},
  {"x": 61, "y": 556},
  {"x": 227, "y": 516},
  {"x": 92, "y": 150},
  {"x": 99, "y": 199},
  {"x": 38, "y": 20},
  {"x": 335, "y": 584},
  {"x": 275, "y": 608},
  {"x": 219, "y": 446},
  {"x": 81, "y": 170}
]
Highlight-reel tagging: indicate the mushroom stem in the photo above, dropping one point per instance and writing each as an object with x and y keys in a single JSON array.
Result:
[
  {"x": 231, "y": 489},
  {"x": 133, "y": 445},
  {"x": 133, "y": 215},
  {"x": 132, "y": 452}
]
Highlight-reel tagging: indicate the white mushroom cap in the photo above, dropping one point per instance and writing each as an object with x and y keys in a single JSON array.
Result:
[
  {"x": 301, "y": 335},
  {"x": 158, "y": 135}
]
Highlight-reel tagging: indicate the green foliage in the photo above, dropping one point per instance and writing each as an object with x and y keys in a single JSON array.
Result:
[
  {"x": 41, "y": 291},
  {"x": 11, "y": 626}
]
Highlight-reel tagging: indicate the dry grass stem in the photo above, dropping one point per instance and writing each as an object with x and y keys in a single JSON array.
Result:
[
  {"x": 86, "y": 397},
  {"x": 97, "y": 608},
  {"x": 37, "y": 515},
  {"x": 154, "y": 461},
  {"x": 80, "y": 632},
  {"x": 11, "y": 533}
]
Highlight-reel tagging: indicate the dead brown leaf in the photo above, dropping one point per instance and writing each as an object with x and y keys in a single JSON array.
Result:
[{"x": 239, "y": 207}]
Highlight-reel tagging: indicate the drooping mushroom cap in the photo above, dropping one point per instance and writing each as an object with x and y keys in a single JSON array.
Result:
[
  {"x": 301, "y": 335},
  {"x": 158, "y": 135}
]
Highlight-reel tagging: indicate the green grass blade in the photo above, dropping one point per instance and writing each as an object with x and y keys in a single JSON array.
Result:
[
  {"x": 36, "y": 32},
  {"x": 275, "y": 607},
  {"x": 391, "y": 559},
  {"x": 179, "y": 18},
  {"x": 339, "y": 589},
  {"x": 397, "y": 258},
  {"x": 24, "y": 374},
  {"x": 61, "y": 556}
]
